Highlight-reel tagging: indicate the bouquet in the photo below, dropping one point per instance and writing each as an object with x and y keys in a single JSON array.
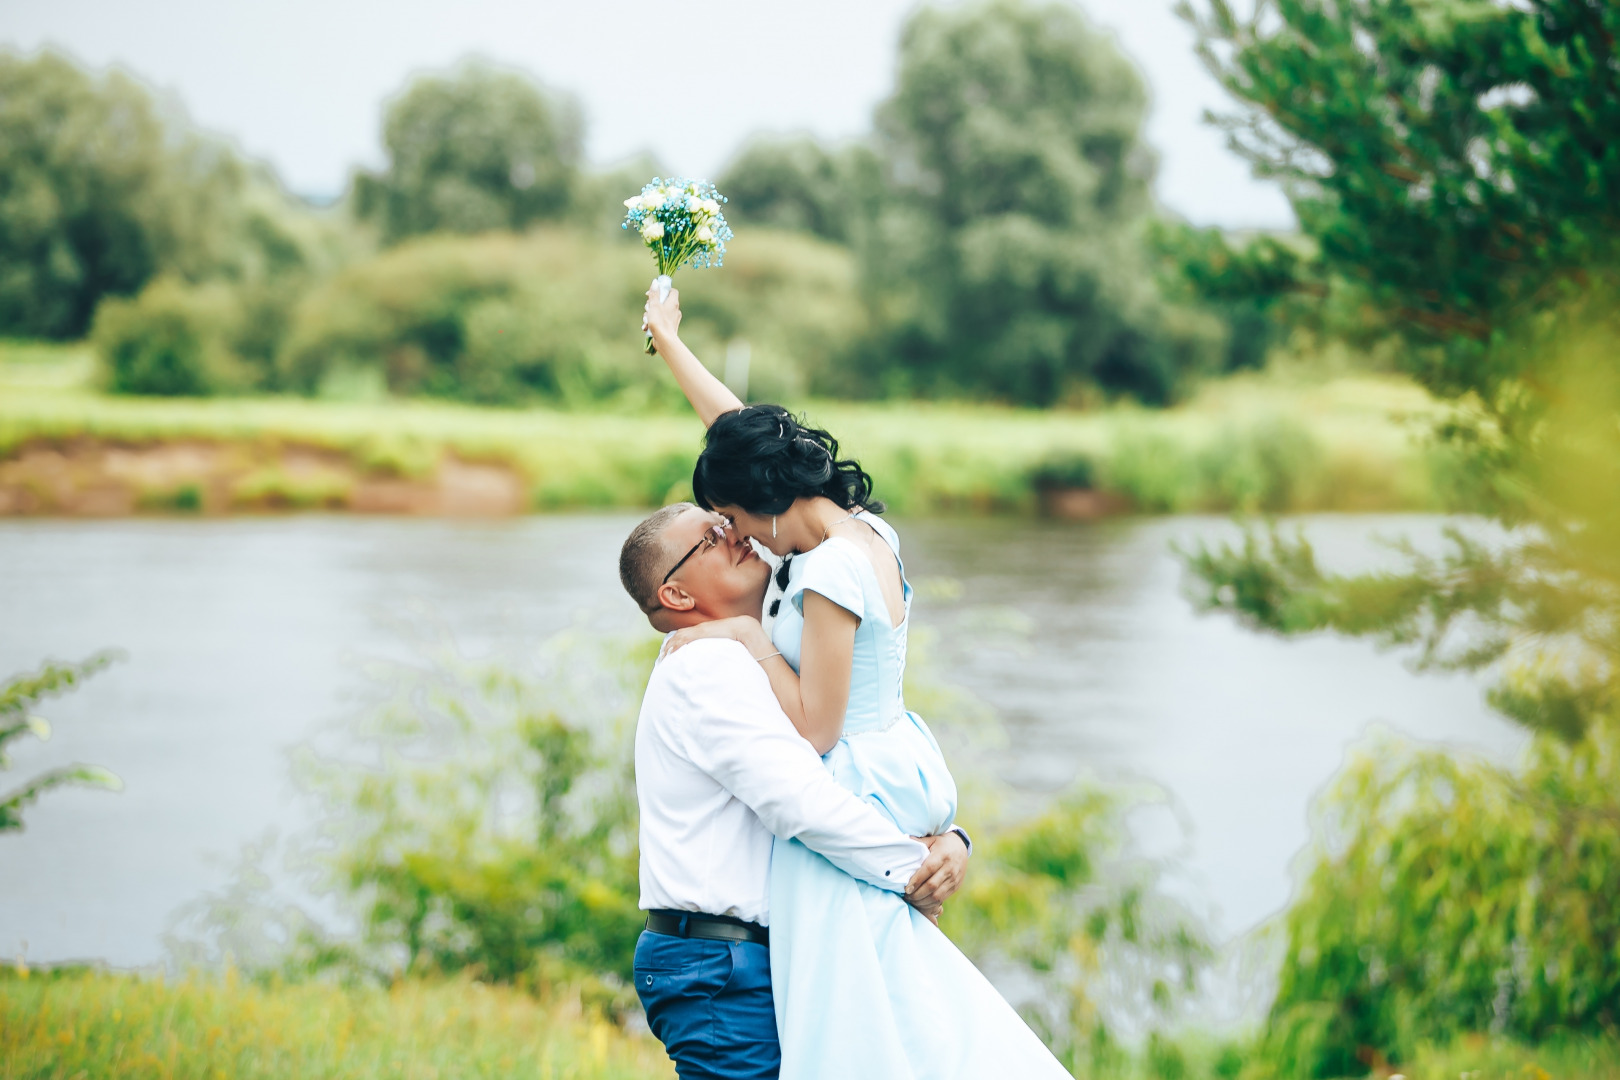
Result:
[{"x": 681, "y": 222}]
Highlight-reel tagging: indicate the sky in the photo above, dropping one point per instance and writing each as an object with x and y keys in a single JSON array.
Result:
[{"x": 302, "y": 84}]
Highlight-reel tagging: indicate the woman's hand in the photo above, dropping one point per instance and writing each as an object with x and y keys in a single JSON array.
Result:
[
  {"x": 662, "y": 318},
  {"x": 743, "y": 628}
]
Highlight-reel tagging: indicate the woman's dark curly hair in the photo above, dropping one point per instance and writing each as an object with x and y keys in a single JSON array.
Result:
[{"x": 761, "y": 458}]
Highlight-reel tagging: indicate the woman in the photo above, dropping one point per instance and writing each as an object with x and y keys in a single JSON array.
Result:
[{"x": 864, "y": 985}]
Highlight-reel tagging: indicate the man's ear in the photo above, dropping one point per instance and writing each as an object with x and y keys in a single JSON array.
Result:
[{"x": 671, "y": 597}]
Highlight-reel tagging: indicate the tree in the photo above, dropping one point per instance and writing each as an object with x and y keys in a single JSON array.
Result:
[
  {"x": 474, "y": 150},
  {"x": 1010, "y": 261},
  {"x": 1452, "y": 165},
  {"x": 82, "y": 188},
  {"x": 101, "y": 190},
  {"x": 1457, "y": 182},
  {"x": 17, "y": 698},
  {"x": 1452, "y": 161},
  {"x": 801, "y": 184}
]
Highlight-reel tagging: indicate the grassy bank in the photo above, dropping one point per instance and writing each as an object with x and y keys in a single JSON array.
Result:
[
  {"x": 100, "y": 1025},
  {"x": 56, "y": 1026},
  {"x": 1248, "y": 444}
]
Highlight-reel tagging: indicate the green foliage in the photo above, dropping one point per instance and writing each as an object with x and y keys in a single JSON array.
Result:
[
  {"x": 505, "y": 319},
  {"x": 474, "y": 150},
  {"x": 1066, "y": 901},
  {"x": 18, "y": 696},
  {"x": 101, "y": 192},
  {"x": 1540, "y": 604},
  {"x": 1451, "y": 161},
  {"x": 171, "y": 340},
  {"x": 801, "y": 185},
  {"x": 1248, "y": 287},
  {"x": 1009, "y": 257},
  {"x": 488, "y": 823},
  {"x": 1448, "y": 164},
  {"x": 1065, "y": 471},
  {"x": 1450, "y": 897},
  {"x": 85, "y": 1023}
]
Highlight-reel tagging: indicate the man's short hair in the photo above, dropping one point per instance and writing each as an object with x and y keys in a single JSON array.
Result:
[{"x": 645, "y": 557}]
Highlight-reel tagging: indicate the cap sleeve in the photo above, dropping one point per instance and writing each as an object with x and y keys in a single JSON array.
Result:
[{"x": 837, "y": 570}]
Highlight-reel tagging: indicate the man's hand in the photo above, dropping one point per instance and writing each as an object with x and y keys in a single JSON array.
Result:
[{"x": 940, "y": 875}]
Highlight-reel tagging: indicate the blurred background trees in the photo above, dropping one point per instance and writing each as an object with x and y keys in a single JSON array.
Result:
[
  {"x": 987, "y": 239},
  {"x": 999, "y": 214},
  {"x": 470, "y": 151},
  {"x": 102, "y": 187},
  {"x": 1020, "y": 189}
]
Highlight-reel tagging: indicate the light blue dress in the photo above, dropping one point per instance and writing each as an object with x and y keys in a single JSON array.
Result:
[{"x": 864, "y": 985}]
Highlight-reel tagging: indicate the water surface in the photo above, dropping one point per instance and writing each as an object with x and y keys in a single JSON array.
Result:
[{"x": 243, "y": 638}]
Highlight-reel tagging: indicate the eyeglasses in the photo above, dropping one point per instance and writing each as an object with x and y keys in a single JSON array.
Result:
[{"x": 711, "y": 538}]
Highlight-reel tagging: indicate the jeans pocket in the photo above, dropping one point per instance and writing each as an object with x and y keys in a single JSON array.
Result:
[{"x": 680, "y": 967}]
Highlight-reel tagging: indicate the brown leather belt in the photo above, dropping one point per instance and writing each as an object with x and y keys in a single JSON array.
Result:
[{"x": 692, "y": 924}]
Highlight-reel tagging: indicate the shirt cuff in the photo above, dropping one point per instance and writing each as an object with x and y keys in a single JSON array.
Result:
[{"x": 966, "y": 839}]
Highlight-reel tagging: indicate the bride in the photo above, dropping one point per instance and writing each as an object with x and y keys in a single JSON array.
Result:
[{"x": 865, "y": 986}]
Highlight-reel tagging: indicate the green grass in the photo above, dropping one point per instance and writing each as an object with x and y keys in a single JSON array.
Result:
[
  {"x": 87, "y": 1024},
  {"x": 1255, "y": 443},
  {"x": 70, "y": 1024}
]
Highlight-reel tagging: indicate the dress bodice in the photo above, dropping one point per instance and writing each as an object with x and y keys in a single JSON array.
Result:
[{"x": 838, "y": 569}]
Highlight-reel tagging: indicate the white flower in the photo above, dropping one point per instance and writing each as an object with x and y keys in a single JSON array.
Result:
[
  {"x": 693, "y": 204},
  {"x": 652, "y": 200},
  {"x": 705, "y": 234},
  {"x": 711, "y": 207},
  {"x": 653, "y": 230},
  {"x": 633, "y": 202}
]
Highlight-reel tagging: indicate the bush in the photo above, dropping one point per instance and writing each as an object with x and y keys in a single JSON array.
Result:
[
  {"x": 545, "y": 888},
  {"x": 172, "y": 340},
  {"x": 554, "y": 315},
  {"x": 1452, "y": 897}
]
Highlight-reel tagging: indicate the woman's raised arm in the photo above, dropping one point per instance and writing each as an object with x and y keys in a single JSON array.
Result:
[{"x": 708, "y": 395}]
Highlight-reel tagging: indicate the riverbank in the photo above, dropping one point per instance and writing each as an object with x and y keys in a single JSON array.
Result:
[{"x": 1250, "y": 444}]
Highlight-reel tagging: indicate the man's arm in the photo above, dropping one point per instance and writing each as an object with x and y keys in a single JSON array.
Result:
[{"x": 745, "y": 741}]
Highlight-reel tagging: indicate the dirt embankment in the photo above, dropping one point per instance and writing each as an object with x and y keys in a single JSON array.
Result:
[{"x": 93, "y": 478}]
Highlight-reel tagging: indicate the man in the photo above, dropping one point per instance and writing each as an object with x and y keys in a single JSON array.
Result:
[{"x": 719, "y": 770}]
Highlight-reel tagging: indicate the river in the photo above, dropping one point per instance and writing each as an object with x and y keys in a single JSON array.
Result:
[{"x": 244, "y": 637}]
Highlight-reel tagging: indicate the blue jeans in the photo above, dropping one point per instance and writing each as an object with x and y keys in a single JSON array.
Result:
[{"x": 709, "y": 1003}]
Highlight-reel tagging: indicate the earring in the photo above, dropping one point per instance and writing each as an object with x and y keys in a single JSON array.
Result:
[{"x": 773, "y": 526}]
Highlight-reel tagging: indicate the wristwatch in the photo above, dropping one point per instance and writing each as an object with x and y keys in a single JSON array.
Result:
[{"x": 966, "y": 839}]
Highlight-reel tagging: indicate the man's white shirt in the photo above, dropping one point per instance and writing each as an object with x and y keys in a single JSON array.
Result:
[{"x": 719, "y": 769}]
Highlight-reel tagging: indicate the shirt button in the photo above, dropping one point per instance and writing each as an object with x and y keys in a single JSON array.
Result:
[
  {"x": 885, "y": 873},
  {"x": 649, "y": 980}
]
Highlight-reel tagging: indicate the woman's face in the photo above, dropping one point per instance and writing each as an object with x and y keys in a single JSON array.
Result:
[{"x": 756, "y": 527}]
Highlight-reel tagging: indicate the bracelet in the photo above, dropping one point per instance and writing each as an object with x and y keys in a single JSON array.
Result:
[{"x": 767, "y": 656}]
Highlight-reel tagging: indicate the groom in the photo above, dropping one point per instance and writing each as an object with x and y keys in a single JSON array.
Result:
[{"x": 719, "y": 770}]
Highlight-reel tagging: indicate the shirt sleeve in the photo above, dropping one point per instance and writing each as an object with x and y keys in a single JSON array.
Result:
[
  {"x": 744, "y": 740},
  {"x": 834, "y": 570}
]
